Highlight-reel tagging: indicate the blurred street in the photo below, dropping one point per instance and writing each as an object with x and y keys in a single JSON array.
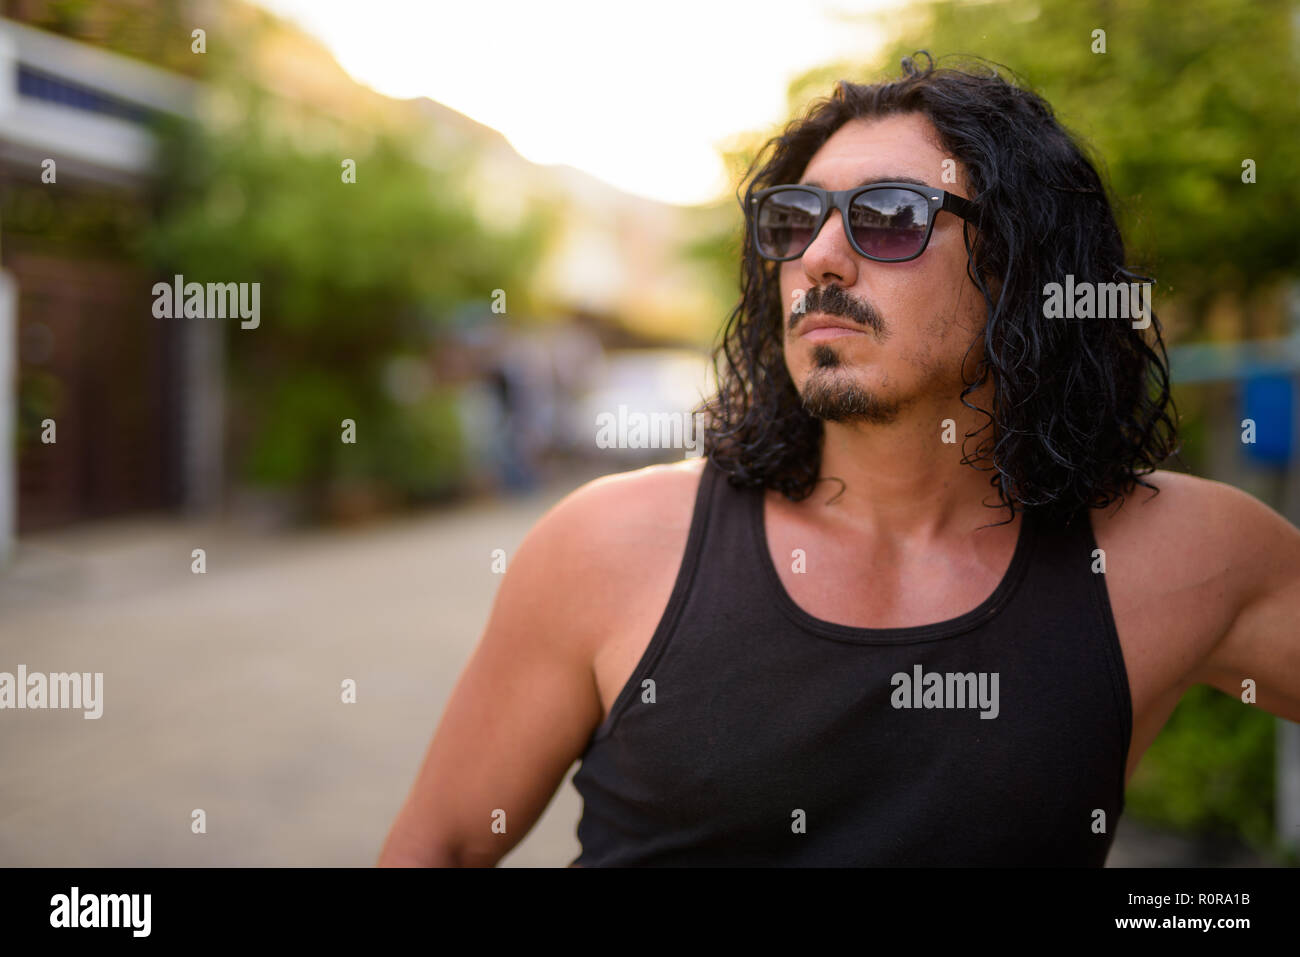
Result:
[{"x": 222, "y": 690}]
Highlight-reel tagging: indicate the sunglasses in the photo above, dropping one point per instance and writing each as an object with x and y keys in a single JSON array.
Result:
[{"x": 885, "y": 222}]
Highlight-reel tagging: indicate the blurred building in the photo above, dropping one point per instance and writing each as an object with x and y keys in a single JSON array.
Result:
[{"x": 132, "y": 413}]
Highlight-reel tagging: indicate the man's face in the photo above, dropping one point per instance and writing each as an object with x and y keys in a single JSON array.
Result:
[{"x": 918, "y": 318}]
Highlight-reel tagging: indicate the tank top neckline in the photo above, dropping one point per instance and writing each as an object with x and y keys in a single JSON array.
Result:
[{"x": 984, "y": 612}]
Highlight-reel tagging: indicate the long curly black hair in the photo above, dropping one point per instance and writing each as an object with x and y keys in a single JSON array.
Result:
[{"x": 1079, "y": 405}]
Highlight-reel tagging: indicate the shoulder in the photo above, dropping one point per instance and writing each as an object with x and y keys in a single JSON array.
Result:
[
  {"x": 594, "y": 553},
  {"x": 652, "y": 485},
  {"x": 1191, "y": 519},
  {"x": 604, "y": 511},
  {"x": 1197, "y": 553}
]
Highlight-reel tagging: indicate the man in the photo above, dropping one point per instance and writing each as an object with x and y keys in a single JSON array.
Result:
[{"x": 817, "y": 645}]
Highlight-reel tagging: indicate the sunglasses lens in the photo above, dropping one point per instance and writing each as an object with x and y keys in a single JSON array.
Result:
[
  {"x": 785, "y": 222},
  {"x": 889, "y": 223}
]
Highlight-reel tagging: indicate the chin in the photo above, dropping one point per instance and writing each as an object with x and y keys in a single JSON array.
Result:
[{"x": 840, "y": 399}]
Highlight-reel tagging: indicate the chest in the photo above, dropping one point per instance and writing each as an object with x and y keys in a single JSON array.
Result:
[
  {"x": 751, "y": 728},
  {"x": 1164, "y": 629}
]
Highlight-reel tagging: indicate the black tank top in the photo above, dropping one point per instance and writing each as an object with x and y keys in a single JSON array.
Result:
[{"x": 777, "y": 739}]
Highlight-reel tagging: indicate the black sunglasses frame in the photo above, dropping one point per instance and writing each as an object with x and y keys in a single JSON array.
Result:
[{"x": 936, "y": 199}]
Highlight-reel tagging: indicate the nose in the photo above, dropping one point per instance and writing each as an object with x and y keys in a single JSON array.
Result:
[{"x": 830, "y": 256}]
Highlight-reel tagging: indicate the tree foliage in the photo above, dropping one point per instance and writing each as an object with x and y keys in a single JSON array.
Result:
[{"x": 353, "y": 275}]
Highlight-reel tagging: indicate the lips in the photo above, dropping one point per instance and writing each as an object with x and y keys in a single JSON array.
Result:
[
  {"x": 819, "y": 327},
  {"x": 828, "y": 332}
]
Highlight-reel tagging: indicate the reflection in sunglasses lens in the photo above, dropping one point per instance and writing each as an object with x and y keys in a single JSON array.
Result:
[
  {"x": 887, "y": 223},
  {"x": 785, "y": 222}
]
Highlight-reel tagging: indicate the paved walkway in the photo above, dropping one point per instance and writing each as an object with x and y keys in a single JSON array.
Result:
[{"x": 222, "y": 690}]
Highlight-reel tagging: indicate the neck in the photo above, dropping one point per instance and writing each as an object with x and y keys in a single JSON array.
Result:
[{"x": 901, "y": 480}]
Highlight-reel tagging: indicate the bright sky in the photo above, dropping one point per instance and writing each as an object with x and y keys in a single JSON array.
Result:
[{"x": 635, "y": 94}]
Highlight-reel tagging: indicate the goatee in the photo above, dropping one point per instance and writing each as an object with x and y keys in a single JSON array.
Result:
[{"x": 831, "y": 397}]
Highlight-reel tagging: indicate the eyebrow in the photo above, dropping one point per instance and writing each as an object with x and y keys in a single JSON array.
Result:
[{"x": 875, "y": 179}]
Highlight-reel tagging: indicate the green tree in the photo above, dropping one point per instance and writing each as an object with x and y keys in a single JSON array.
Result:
[{"x": 353, "y": 275}]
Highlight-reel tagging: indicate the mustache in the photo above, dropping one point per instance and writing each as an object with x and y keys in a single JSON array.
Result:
[{"x": 834, "y": 301}]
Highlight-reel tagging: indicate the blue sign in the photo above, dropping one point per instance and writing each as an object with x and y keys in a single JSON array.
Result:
[{"x": 1270, "y": 401}]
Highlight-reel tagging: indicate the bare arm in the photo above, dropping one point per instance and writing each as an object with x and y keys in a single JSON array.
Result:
[
  {"x": 522, "y": 710},
  {"x": 1263, "y": 642}
]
